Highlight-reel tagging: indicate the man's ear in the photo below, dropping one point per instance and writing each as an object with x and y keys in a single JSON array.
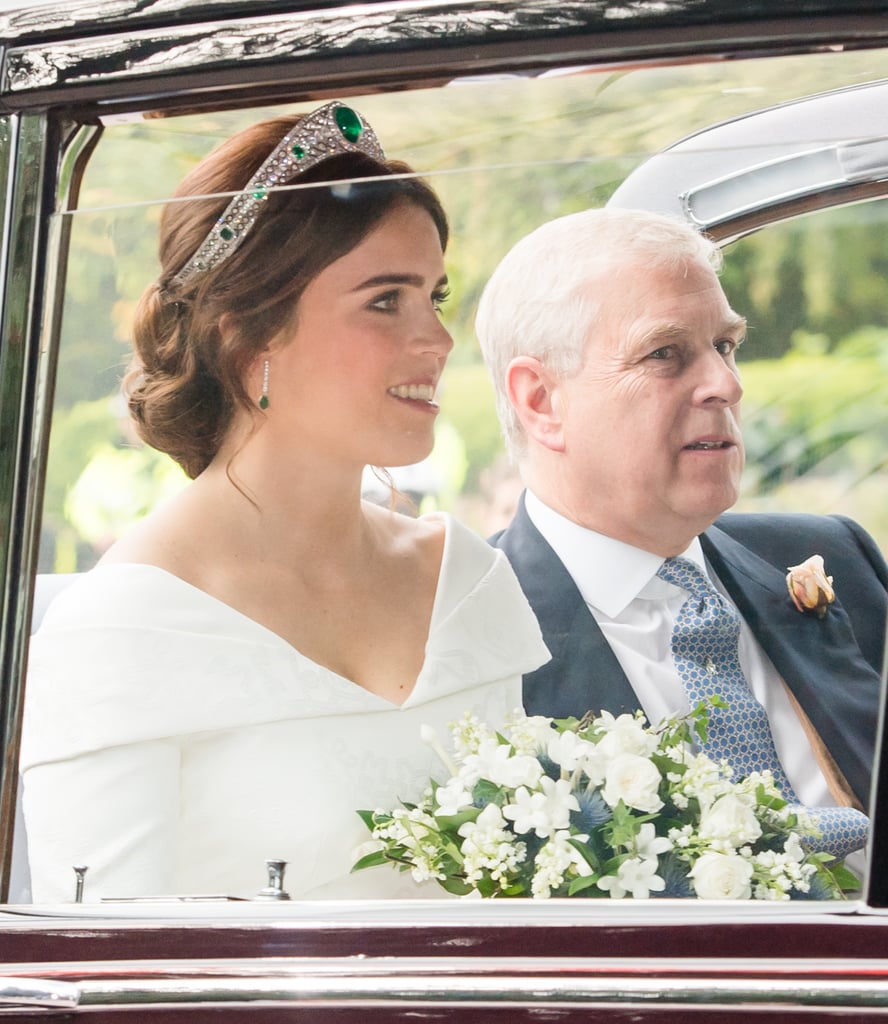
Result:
[{"x": 533, "y": 392}]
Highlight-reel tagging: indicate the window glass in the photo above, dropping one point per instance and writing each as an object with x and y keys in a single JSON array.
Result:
[{"x": 506, "y": 154}]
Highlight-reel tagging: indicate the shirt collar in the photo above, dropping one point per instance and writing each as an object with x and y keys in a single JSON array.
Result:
[{"x": 608, "y": 573}]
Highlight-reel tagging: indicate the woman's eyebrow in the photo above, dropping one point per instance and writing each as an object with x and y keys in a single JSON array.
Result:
[{"x": 413, "y": 280}]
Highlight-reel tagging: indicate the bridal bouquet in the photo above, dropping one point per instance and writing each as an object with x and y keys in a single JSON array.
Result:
[{"x": 598, "y": 807}]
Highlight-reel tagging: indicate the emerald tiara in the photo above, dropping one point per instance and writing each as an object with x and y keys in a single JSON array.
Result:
[{"x": 325, "y": 132}]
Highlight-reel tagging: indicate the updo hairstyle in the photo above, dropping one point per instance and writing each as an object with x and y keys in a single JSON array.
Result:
[{"x": 186, "y": 381}]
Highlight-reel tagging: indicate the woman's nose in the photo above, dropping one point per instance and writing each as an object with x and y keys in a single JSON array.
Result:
[{"x": 435, "y": 337}]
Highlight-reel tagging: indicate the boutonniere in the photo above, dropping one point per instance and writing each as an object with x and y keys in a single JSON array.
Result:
[{"x": 809, "y": 586}]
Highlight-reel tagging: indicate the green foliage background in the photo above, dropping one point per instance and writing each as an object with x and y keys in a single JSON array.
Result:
[{"x": 507, "y": 155}]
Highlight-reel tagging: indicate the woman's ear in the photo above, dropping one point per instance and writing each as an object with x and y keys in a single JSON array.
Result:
[{"x": 533, "y": 392}]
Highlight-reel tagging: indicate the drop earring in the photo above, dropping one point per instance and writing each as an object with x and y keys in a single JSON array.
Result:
[{"x": 263, "y": 398}]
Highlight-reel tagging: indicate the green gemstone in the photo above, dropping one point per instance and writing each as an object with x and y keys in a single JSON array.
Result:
[
  {"x": 260, "y": 192},
  {"x": 349, "y": 123},
  {"x": 263, "y": 402},
  {"x": 298, "y": 151},
  {"x": 226, "y": 234}
]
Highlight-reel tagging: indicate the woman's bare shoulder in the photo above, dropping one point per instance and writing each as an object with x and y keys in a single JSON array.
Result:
[{"x": 163, "y": 538}]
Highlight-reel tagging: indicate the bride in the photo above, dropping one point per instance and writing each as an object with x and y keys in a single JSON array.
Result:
[{"x": 253, "y": 662}]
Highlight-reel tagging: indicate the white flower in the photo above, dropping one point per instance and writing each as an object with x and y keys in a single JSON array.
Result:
[
  {"x": 496, "y": 761},
  {"x": 487, "y": 846},
  {"x": 429, "y": 736},
  {"x": 634, "y": 780},
  {"x": 528, "y": 734},
  {"x": 452, "y": 797},
  {"x": 542, "y": 812},
  {"x": 648, "y": 845},
  {"x": 568, "y": 750},
  {"x": 681, "y": 837},
  {"x": 625, "y": 734},
  {"x": 730, "y": 819},
  {"x": 722, "y": 876},
  {"x": 556, "y": 859},
  {"x": 636, "y": 876},
  {"x": 468, "y": 733}
]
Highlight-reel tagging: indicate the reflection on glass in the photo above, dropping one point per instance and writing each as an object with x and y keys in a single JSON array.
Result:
[{"x": 504, "y": 156}]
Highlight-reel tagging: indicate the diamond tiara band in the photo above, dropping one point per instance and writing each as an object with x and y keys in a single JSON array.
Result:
[{"x": 328, "y": 131}]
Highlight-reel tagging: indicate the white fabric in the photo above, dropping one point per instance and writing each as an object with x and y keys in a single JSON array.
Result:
[
  {"x": 173, "y": 745},
  {"x": 636, "y": 612}
]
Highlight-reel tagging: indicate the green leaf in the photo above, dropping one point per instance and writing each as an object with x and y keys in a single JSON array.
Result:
[
  {"x": 584, "y": 883},
  {"x": 371, "y": 860},
  {"x": 452, "y": 822},
  {"x": 587, "y": 853},
  {"x": 846, "y": 880},
  {"x": 487, "y": 887},
  {"x": 456, "y": 886},
  {"x": 515, "y": 889},
  {"x": 367, "y": 818},
  {"x": 486, "y": 792}
]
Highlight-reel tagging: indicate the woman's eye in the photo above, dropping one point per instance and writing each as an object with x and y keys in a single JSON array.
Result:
[
  {"x": 726, "y": 346},
  {"x": 440, "y": 297},
  {"x": 386, "y": 303},
  {"x": 662, "y": 353}
]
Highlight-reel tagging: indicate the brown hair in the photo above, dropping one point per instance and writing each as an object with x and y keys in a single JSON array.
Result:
[{"x": 186, "y": 380}]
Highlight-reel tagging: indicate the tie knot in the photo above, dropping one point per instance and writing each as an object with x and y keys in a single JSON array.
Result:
[{"x": 684, "y": 573}]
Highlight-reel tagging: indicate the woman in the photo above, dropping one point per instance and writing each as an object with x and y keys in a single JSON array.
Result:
[{"x": 253, "y": 662}]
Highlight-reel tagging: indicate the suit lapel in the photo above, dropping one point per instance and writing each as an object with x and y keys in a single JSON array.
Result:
[
  {"x": 584, "y": 674},
  {"x": 818, "y": 659}
]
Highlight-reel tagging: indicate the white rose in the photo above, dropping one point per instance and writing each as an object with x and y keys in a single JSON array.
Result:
[
  {"x": 634, "y": 780},
  {"x": 624, "y": 734},
  {"x": 722, "y": 876},
  {"x": 732, "y": 819}
]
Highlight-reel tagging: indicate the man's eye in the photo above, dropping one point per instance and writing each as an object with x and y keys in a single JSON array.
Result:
[
  {"x": 662, "y": 353},
  {"x": 726, "y": 347}
]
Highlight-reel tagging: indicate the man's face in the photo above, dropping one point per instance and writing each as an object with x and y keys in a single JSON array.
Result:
[{"x": 651, "y": 422}]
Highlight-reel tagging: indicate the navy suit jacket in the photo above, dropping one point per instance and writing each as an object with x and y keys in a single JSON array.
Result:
[{"x": 833, "y": 665}]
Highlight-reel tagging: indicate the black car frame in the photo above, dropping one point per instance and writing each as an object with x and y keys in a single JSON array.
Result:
[{"x": 70, "y": 73}]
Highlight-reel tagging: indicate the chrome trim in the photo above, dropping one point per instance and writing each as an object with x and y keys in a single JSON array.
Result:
[
  {"x": 45, "y": 995},
  {"x": 549, "y": 991},
  {"x": 424, "y": 982}
]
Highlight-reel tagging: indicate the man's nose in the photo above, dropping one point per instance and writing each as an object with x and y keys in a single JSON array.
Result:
[{"x": 719, "y": 380}]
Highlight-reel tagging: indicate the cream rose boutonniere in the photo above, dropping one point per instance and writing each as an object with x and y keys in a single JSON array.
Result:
[{"x": 809, "y": 586}]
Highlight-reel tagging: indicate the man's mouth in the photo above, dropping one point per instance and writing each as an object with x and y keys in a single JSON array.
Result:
[
  {"x": 706, "y": 446},
  {"x": 418, "y": 392}
]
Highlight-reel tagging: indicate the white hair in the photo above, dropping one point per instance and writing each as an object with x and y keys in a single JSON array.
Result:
[{"x": 549, "y": 289}]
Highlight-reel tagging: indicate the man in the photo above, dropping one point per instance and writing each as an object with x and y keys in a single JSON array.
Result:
[{"x": 612, "y": 349}]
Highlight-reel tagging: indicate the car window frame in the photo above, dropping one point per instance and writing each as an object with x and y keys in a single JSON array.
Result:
[{"x": 62, "y": 75}]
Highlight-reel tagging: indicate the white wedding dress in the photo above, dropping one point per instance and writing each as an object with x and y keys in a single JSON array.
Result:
[{"x": 173, "y": 745}]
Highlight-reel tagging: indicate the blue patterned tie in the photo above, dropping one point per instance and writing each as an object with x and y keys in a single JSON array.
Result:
[{"x": 704, "y": 647}]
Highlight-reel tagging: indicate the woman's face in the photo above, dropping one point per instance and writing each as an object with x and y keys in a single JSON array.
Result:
[{"x": 356, "y": 375}]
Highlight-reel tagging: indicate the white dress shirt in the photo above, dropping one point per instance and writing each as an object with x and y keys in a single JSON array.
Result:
[{"x": 636, "y": 611}]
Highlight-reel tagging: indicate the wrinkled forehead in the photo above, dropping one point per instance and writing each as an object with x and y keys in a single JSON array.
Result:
[{"x": 641, "y": 298}]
